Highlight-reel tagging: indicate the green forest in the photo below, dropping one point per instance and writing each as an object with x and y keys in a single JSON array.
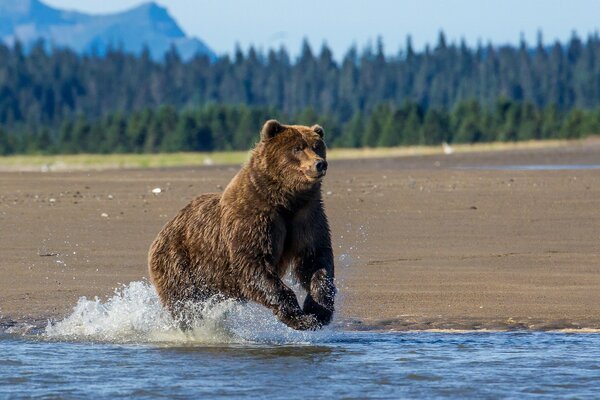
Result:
[{"x": 61, "y": 102}]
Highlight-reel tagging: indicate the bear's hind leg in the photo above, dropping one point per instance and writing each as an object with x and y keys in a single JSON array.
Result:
[{"x": 177, "y": 289}]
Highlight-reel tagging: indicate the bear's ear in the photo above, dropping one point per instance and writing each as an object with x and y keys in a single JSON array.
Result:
[
  {"x": 270, "y": 129},
  {"x": 318, "y": 129}
]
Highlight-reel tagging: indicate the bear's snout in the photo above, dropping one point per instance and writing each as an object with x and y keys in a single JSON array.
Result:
[{"x": 321, "y": 166}]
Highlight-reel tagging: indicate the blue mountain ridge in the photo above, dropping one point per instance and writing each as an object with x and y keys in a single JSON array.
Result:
[{"x": 148, "y": 25}]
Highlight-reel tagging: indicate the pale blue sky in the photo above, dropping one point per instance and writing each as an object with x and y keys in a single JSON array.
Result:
[{"x": 340, "y": 23}]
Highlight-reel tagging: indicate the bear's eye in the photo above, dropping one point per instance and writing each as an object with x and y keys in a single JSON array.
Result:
[
  {"x": 318, "y": 147},
  {"x": 298, "y": 149}
]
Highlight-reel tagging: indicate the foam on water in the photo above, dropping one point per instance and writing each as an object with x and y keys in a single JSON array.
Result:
[{"x": 134, "y": 314}]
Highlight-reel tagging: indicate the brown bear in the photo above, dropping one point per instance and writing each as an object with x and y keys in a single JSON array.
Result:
[{"x": 240, "y": 244}]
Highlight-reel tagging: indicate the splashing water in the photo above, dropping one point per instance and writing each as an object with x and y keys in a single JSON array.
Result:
[{"x": 134, "y": 314}]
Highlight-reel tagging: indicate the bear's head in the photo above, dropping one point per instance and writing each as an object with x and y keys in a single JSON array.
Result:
[{"x": 295, "y": 154}]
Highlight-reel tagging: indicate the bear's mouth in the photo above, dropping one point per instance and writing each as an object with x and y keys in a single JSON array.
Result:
[{"x": 314, "y": 175}]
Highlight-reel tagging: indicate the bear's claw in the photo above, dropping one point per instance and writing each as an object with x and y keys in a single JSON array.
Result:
[
  {"x": 322, "y": 314},
  {"x": 304, "y": 322}
]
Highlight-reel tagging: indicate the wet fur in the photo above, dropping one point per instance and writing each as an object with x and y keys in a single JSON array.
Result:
[{"x": 240, "y": 244}]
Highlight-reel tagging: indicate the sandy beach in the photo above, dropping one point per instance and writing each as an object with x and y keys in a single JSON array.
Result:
[{"x": 425, "y": 242}]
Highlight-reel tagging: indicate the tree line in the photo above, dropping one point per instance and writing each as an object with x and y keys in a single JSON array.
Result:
[
  {"x": 44, "y": 92},
  {"x": 232, "y": 127}
]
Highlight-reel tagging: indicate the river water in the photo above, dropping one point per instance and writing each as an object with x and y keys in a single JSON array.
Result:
[{"x": 128, "y": 347}]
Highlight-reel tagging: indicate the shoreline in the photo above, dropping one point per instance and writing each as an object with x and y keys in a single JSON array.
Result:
[
  {"x": 102, "y": 162},
  {"x": 38, "y": 327}
]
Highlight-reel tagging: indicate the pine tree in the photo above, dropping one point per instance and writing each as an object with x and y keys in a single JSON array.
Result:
[
  {"x": 529, "y": 127},
  {"x": 436, "y": 127},
  {"x": 467, "y": 122},
  {"x": 6, "y": 145},
  {"x": 375, "y": 124},
  {"x": 80, "y": 135},
  {"x": 116, "y": 138},
  {"x": 573, "y": 125},
  {"x": 551, "y": 122},
  {"x": 352, "y": 133},
  {"x": 391, "y": 130},
  {"x": 65, "y": 138},
  {"x": 412, "y": 133}
]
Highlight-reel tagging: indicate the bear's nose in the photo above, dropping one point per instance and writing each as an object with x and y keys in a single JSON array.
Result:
[{"x": 321, "y": 165}]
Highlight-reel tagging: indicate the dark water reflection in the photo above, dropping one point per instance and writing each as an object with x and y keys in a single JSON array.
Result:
[{"x": 344, "y": 364}]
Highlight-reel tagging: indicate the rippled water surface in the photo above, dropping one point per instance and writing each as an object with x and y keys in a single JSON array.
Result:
[
  {"x": 127, "y": 347},
  {"x": 344, "y": 364}
]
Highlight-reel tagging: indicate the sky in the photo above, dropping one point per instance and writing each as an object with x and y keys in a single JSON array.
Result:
[{"x": 223, "y": 24}]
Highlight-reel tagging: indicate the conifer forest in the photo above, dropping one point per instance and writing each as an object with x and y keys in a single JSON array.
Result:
[{"x": 56, "y": 101}]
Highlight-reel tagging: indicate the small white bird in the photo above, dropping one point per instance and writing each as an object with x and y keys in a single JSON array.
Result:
[{"x": 447, "y": 148}]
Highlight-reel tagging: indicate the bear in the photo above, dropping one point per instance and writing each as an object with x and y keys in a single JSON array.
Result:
[{"x": 269, "y": 219}]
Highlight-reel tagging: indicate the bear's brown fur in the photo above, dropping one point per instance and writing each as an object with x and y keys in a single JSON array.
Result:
[{"x": 241, "y": 243}]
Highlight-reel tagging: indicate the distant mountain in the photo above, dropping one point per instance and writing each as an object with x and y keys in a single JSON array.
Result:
[{"x": 146, "y": 25}]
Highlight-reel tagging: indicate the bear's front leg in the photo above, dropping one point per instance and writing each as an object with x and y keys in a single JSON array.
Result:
[
  {"x": 289, "y": 312},
  {"x": 266, "y": 288},
  {"x": 320, "y": 298},
  {"x": 315, "y": 273}
]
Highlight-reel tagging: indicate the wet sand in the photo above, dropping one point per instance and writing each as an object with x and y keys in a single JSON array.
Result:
[{"x": 424, "y": 242}]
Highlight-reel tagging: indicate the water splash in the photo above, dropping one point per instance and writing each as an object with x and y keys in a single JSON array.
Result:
[{"x": 134, "y": 314}]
